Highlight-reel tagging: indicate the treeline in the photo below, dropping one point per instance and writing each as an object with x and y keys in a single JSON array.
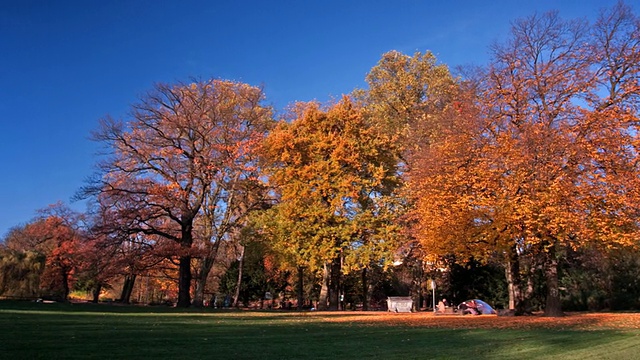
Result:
[{"x": 516, "y": 182}]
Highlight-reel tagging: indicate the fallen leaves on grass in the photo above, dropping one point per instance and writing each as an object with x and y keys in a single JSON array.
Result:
[{"x": 582, "y": 321}]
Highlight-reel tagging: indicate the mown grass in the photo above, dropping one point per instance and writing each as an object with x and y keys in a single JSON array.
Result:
[{"x": 84, "y": 331}]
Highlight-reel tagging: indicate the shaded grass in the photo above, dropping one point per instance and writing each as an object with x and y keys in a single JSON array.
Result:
[{"x": 85, "y": 331}]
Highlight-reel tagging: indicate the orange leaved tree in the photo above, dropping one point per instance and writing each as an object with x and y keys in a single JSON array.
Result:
[
  {"x": 334, "y": 176},
  {"x": 550, "y": 162}
]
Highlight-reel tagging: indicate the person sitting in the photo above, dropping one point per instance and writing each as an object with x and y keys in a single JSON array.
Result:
[{"x": 469, "y": 307}]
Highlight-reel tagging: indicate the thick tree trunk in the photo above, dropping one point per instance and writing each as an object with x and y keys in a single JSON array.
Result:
[
  {"x": 300, "y": 289},
  {"x": 553, "y": 306},
  {"x": 334, "y": 285},
  {"x": 127, "y": 288},
  {"x": 184, "y": 282},
  {"x": 236, "y": 296},
  {"x": 512, "y": 274},
  {"x": 324, "y": 290},
  {"x": 184, "y": 268},
  {"x": 365, "y": 290}
]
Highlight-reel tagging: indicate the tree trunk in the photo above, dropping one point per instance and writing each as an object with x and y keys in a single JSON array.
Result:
[
  {"x": 324, "y": 290},
  {"x": 198, "y": 292},
  {"x": 508, "y": 273},
  {"x": 184, "y": 282},
  {"x": 553, "y": 306},
  {"x": 334, "y": 285},
  {"x": 236, "y": 301},
  {"x": 184, "y": 269},
  {"x": 201, "y": 281},
  {"x": 205, "y": 268},
  {"x": 518, "y": 295},
  {"x": 65, "y": 285},
  {"x": 96, "y": 293},
  {"x": 417, "y": 286},
  {"x": 300, "y": 289},
  {"x": 512, "y": 274},
  {"x": 127, "y": 288},
  {"x": 365, "y": 290}
]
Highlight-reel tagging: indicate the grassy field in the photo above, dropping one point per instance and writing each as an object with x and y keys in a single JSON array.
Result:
[{"x": 85, "y": 331}]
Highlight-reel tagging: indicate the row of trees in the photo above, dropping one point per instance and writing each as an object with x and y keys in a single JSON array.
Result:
[{"x": 522, "y": 163}]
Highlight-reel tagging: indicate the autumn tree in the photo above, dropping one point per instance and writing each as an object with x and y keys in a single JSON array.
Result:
[
  {"x": 408, "y": 99},
  {"x": 57, "y": 234},
  {"x": 180, "y": 143},
  {"x": 334, "y": 175},
  {"x": 46, "y": 256},
  {"x": 569, "y": 164},
  {"x": 517, "y": 203},
  {"x": 21, "y": 265},
  {"x": 610, "y": 128},
  {"x": 547, "y": 164},
  {"x": 405, "y": 97}
]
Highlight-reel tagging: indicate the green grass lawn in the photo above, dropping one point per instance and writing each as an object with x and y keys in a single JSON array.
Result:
[{"x": 85, "y": 331}]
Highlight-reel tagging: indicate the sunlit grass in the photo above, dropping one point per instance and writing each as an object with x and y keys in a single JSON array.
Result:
[{"x": 63, "y": 331}]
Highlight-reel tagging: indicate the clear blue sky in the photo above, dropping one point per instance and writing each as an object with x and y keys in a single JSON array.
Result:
[{"x": 66, "y": 64}]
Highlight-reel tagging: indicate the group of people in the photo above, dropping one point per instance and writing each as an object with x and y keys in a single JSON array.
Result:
[
  {"x": 474, "y": 307},
  {"x": 469, "y": 307}
]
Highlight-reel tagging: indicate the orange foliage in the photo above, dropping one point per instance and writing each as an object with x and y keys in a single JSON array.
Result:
[
  {"x": 334, "y": 174},
  {"x": 57, "y": 235},
  {"x": 533, "y": 168}
]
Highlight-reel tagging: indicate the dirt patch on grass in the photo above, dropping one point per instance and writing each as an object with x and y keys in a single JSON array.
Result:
[{"x": 582, "y": 321}]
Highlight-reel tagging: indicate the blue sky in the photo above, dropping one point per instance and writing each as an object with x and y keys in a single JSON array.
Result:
[{"x": 66, "y": 64}]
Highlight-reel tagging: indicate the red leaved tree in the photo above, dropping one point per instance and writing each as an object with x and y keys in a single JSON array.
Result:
[{"x": 178, "y": 145}]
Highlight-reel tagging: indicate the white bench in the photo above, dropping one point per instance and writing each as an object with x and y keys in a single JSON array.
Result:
[{"x": 399, "y": 303}]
